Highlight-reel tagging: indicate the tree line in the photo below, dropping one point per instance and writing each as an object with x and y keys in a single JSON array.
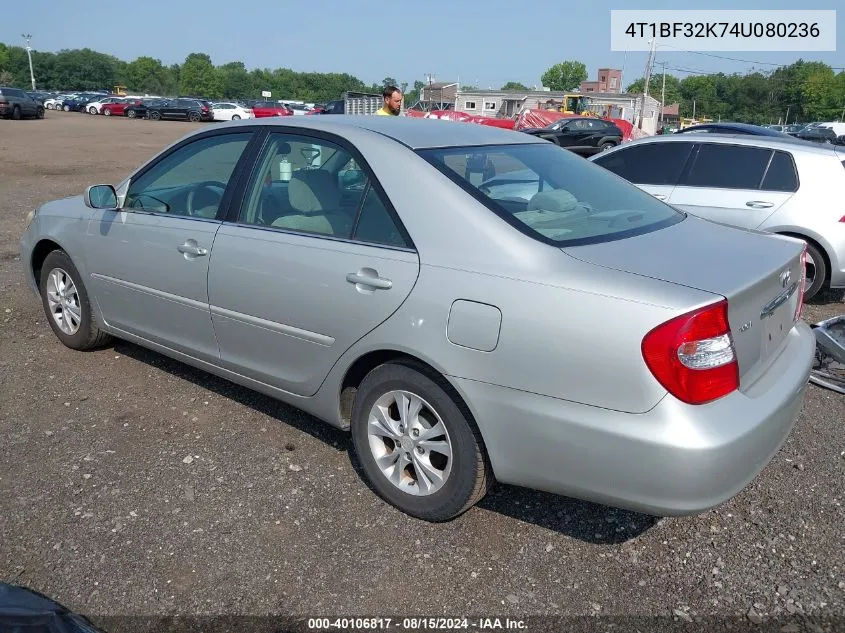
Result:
[{"x": 802, "y": 91}]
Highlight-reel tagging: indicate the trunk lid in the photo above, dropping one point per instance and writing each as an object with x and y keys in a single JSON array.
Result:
[{"x": 758, "y": 273}]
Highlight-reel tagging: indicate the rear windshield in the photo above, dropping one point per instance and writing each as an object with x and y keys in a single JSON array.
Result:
[{"x": 552, "y": 194}]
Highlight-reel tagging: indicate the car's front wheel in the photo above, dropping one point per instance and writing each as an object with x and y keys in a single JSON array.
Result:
[
  {"x": 66, "y": 304},
  {"x": 417, "y": 445}
]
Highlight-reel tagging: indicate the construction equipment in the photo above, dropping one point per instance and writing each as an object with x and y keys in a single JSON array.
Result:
[{"x": 576, "y": 103}]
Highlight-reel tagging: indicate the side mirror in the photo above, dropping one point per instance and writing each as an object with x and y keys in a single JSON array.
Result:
[{"x": 101, "y": 197}]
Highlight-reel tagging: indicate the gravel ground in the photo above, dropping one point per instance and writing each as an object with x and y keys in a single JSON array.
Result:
[{"x": 133, "y": 485}]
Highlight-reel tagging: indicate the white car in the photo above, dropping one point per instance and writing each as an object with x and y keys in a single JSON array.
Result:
[
  {"x": 56, "y": 102},
  {"x": 230, "y": 112},
  {"x": 299, "y": 108}
]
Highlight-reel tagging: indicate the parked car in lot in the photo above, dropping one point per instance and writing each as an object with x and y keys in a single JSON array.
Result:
[
  {"x": 831, "y": 133},
  {"x": 139, "y": 110},
  {"x": 79, "y": 102},
  {"x": 96, "y": 107},
  {"x": 55, "y": 103},
  {"x": 120, "y": 107},
  {"x": 230, "y": 112},
  {"x": 728, "y": 127},
  {"x": 264, "y": 109},
  {"x": 584, "y": 136},
  {"x": 594, "y": 341},
  {"x": 753, "y": 182},
  {"x": 180, "y": 109},
  {"x": 17, "y": 104}
]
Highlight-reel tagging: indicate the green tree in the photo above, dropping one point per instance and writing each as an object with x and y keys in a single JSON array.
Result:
[
  {"x": 565, "y": 76},
  {"x": 236, "y": 81},
  {"x": 413, "y": 95},
  {"x": 515, "y": 85},
  {"x": 673, "y": 88},
  {"x": 198, "y": 77},
  {"x": 148, "y": 75}
]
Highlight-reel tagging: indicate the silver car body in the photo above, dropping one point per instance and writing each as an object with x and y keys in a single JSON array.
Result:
[
  {"x": 812, "y": 211},
  {"x": 542, "y": 343}
]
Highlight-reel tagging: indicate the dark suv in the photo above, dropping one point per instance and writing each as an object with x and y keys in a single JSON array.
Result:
[
  {"x": 581, "y": 135},
  {"x": 16, "y": 104}
]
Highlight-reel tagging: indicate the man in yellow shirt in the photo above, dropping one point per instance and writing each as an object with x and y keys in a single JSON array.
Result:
[{"x": 392, "y": 101}]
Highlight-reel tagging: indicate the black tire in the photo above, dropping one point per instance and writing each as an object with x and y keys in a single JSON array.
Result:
[
  {"x": 606, "y": 145},
  {"x": 470, "y": 477},
  {"x": 236, "y": 117},
  {"x": 106, "y": 112},
  {"x": 155, "y": 116},
  {"x": 88, "y": 336},
  {"x": 39, "y": 113},
  {"x": 194, "y": 117},
  {"x": 820, "y": 272},
  {"x": 131, "y": 114},
  {"x": 16, "y": 113}
]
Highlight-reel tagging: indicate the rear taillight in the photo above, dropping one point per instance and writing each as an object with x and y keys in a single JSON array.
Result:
[
  {"x": 693, "y": 355},
  {"x": 799, "y": 308}
]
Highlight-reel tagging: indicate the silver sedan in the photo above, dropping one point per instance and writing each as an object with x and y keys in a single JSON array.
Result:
[{"x": 379, "y": 273}]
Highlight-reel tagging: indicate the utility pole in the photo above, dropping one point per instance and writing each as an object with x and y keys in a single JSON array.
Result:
[
  {"x": 27, "y": 37},
  {"x": 647, "y": 80},
  {"x": 663, "y": 94}
]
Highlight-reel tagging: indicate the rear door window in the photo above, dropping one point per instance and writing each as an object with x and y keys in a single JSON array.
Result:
[
  {"x": 781, "y": 174},
  {"x": 722, "y": 166},
  {"x": 649, "y": 163}
]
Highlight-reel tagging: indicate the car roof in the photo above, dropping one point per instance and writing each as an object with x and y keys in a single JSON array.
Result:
[
  {"x": 731, "y": 125},
  {"x": 415, "y": 133},
  {"x": 770, "y": 142}
]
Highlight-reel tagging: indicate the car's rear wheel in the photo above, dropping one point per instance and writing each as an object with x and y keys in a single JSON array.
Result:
[
  {"x": 16, "y": 113},
  {"x": 816, "y": 268},
  {"x": 66, "y": 304},
  {"x": 39, "y": 113},
  {"x": 193, "y": 117},
  {"x": 606, "y": 145},
  {"x": 49, "y": 106},
  {"x": 66, "y": 108},
  {"x": 236, "y": 117},
  {"x": 131, "y": 114},
  {"x": 417, "y": 444},
  {"x": 155, "y": 116},
  {"x": 92, "y": 110}
]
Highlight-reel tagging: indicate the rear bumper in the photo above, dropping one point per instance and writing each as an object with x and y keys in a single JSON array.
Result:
[{"x": 676, "y": 459}]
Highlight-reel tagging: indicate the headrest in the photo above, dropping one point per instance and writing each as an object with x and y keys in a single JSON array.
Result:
[
  {"x": 312, "y": 191},
  {"x": 556, "y": 200}
]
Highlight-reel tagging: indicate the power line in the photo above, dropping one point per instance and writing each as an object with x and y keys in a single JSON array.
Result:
[{"x": 734, "y": 59}]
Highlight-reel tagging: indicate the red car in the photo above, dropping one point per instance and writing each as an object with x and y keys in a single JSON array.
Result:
[
  {"x": 270, "y": 108},
  {"x": 118, "y": 108}
]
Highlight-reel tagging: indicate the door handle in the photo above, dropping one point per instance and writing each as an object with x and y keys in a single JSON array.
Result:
[
  {"x": 759, "y": 204},
  {"x": 369, "y": 277},
  {"x": 659, "y": 196},
  {"x": 190, "y": 248}
]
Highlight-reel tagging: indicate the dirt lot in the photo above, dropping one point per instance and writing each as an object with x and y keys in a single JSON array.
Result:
[{"x": 99, "y": 509}]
